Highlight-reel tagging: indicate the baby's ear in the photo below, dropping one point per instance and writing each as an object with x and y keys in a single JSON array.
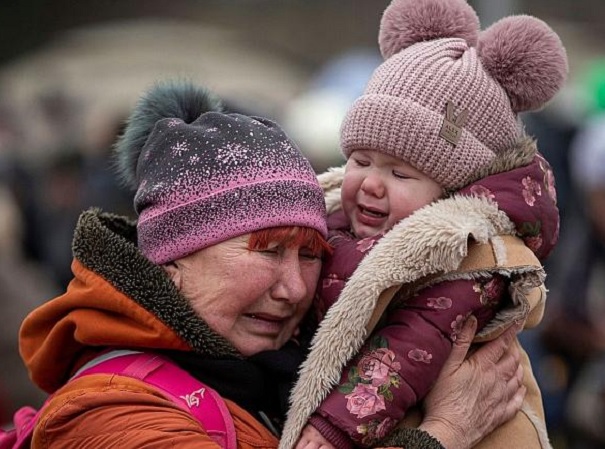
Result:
[
  {"x": 526, "y": 57},
  {"x": 174, "y": 273}
]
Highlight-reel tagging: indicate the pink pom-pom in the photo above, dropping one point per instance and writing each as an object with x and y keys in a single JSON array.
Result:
[
  {"x": 406, "y": 22},
  {"x": 526, "y": 57}
]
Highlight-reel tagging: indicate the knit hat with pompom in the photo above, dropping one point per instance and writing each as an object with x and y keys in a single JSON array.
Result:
[
  {"x": 203, "y": 176},
  {"x": 447, "y": 96}
]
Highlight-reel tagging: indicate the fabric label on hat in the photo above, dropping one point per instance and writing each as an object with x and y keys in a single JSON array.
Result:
[{"x": 451, "y": 130}]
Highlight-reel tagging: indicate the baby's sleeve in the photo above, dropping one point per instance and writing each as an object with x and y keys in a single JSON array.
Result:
[{"x": 400, "y": 362}]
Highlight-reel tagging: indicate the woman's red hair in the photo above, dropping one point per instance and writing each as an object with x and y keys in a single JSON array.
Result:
[{"x": 290, "y": 236}]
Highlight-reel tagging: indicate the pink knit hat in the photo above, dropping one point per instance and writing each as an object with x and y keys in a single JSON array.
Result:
[
  {"x": 447, "y": 97},
  {"x": 203, "y": 176}
]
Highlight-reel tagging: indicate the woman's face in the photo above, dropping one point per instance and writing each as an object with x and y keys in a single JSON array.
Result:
[{"x": 254, "y": 298}]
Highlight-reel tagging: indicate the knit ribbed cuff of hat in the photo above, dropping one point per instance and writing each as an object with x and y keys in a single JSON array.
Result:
[
  {"x": 411, "y": 439},
  {"x": 333, "y": 434},
  {"x": 409, "y": 131}
]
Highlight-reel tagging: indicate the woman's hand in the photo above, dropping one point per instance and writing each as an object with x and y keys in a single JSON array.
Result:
[{"x": 474, "y": 395}]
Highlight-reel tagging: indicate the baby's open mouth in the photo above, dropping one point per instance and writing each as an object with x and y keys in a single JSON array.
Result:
[{"x": 372, "y": 212}]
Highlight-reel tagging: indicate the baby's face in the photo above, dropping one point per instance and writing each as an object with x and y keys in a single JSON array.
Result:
[{"x": 379, "y": 190}]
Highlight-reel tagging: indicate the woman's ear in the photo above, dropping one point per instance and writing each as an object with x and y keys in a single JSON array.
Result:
[{"x": 174, "y": 273}]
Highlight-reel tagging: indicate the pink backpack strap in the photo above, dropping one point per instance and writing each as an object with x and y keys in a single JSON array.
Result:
[
  {"x": 24, "y": 421},
  {"x": 192, "y": 395}
]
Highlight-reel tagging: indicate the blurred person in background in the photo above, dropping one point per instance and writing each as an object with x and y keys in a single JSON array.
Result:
[
  {"x": 23, "y": 284},
  {"x": 584, "y": 317},
  {"x": 314, "y": 118}
]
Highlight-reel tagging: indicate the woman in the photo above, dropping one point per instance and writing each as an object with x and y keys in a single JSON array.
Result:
[{"x": 217, "y": 274}]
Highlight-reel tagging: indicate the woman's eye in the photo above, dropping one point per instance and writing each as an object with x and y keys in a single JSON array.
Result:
[
  {"x": 361, "y": 163},
  {"x": 308, "y": 254}
]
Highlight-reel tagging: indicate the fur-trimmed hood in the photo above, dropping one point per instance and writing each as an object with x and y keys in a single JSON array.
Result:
[
  {"x": 116, "y": 299},
  {"x": 431, "y": 246}
]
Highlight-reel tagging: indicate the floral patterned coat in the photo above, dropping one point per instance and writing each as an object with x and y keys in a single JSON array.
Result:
[{"x": 434, "y": 282}]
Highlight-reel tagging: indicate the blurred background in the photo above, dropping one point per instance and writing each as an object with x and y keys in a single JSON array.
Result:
[{"x": 70, "y": 72}]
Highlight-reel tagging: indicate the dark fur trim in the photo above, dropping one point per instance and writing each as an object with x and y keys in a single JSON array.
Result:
[
  {"x": 411, "y": 439},
  {"x": 516, "y": 156},
  {"x": 169, "y": 99},
  {"x": 106, "y": 244}
]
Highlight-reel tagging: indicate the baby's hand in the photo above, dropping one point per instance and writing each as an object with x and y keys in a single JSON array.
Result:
[{"x": 310, "y": 438}]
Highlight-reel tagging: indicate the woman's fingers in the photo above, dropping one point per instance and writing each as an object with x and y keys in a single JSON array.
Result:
[
  {"x": 508, "y": 365},
  {"x": 515, "y": 403},
  {"x": 461, "y": 345},
  {"x": 514, "y": 383},
  {"x": 493, "y": 351}
]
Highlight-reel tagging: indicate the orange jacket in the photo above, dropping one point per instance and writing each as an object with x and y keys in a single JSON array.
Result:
[{"x": 104, "y": 411}]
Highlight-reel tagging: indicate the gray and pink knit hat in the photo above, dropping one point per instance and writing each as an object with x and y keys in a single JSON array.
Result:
[
  {"x": 203, "y": 176},
  {"x": 447, "y": 96}
]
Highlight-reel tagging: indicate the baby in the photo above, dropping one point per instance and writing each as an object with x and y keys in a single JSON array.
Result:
[{"x": 446, "y": 210}]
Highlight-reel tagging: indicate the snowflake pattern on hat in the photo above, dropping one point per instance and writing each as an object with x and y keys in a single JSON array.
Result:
[{"x": 219, "y": 177}]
